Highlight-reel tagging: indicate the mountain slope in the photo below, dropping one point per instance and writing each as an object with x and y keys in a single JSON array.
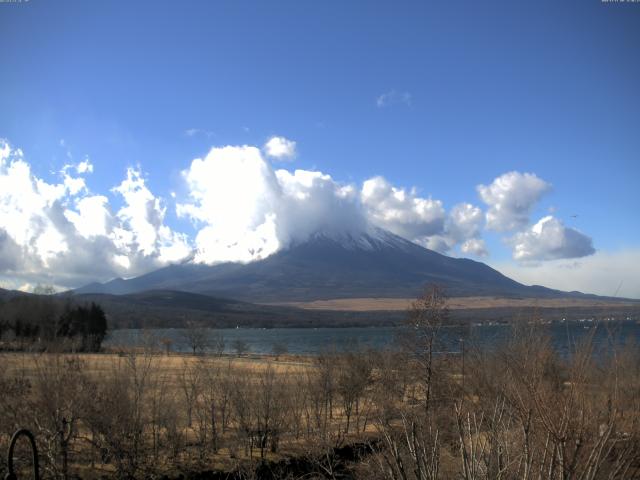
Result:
[{"x": 377, "y": 264}]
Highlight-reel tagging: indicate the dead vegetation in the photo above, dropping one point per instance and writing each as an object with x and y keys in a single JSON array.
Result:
[
  {"x": 519, "y": 411},
  {"x": 458, "y": 303}
]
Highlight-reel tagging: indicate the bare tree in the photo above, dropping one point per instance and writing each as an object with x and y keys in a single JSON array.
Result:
[
  {"x": 196, "y": 338},
  {"x": 411, "y": 435},
  {"x": 240, "y": 346},
  {"x": 538, "y": 415},
  {"x": 60, "y": 394},
  {"x": 323, "y": 389},
  {"x": 270, "y": 405},
  {"x": 189, "y": 381},
  {"x": 354, "y": 376},
  {"x": 217, "y": 343},
  {"x": 117, "y": 413},
  {"x": 212, "y": 404},
  {"x": 425, "y": 317},
  {"x": 161, "y": 403}
]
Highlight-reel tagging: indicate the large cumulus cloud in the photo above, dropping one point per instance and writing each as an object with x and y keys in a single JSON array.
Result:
[
  {"x": 61, "y": 233},
  {"x": 511, "y": 198},
  {"x": 244, "y": 210},
  {"x": 234, "y": 194},
  {"x": 315, "y": 202},
  {"x": 550, "y": 239},
  {"x": 462, "y": 226},
  {"x": 402, "y": 211}
]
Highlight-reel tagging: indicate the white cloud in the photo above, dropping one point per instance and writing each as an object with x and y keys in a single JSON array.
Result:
[
  {"x": 280, "y": 148},
  {"x": 312, "y": 202},
  {"x": 234, "y": 193},
  {"x": 192, "y": 132},
  {"x": 601, "y": 273},
  {"x": 142, "y": 213},
  {"x": 74, "y": 185},
  {"x": 24, "y": 205},
  {"x": 10, "y": 252},
  {"x": 5, "y": 151},
  {"x": 142, "y": 222},
  {"x": 439, "y": 243},
  {"x": 474, "y": 246},
  {"x": 550, "y": 239},
  {"x": 511, "y": 198},
  {"x": 465, "y": 221},
  {"x": 243, "y": 210},
  {"x": 61, "y": 233},
  {"x": 393, "y": 97},
  {"x": 246, "y": 211},
  {"x": 84, "y": 166},
  {"x": 464, "y": 226},
  {"x": 402, "y": 211},
  {"x": 92, "y": 217}
]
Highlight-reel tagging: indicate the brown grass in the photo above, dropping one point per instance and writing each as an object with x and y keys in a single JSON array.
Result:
[
  {"x": 171, "y": 365},
  {"x": 170, "y": 368},
  {"x": 455, "y": 303}
]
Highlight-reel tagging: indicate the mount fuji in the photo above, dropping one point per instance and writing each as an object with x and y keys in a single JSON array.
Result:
[{"x": 375, "y": 263}]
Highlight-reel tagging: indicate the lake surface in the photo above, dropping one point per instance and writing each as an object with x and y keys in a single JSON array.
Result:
[{"x": 310, "y": 341}]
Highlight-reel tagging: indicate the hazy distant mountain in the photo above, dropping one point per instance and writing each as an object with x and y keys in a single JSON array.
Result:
[
  {"x": 7, "y": 294},
  {"x": 376, "y": 264}
]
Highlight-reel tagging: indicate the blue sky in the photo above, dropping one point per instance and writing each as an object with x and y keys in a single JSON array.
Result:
[{"x": 436, "y": 96}]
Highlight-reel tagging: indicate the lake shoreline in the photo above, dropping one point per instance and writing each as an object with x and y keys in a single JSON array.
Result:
[{"x": 313, "y": 341}]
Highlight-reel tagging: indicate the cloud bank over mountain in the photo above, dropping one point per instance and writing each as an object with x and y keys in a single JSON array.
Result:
[{"x": 243, "y": 209}]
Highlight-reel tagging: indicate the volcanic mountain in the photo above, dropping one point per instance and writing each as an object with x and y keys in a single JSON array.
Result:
[{"x": 366, "y": 265}]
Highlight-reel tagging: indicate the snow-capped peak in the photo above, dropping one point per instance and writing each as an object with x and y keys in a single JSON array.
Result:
[{"x": 372, "y": 239}]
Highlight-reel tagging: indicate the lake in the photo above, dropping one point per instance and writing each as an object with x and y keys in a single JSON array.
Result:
[{"x": 311, "y": 341}]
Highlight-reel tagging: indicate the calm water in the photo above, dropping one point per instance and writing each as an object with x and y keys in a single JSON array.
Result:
[{"x": 307, "y": 341}]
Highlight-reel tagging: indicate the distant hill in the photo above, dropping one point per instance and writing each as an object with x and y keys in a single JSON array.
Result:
[
  {"x": 7, "y": 294},
  {"x": 375, "y": 264}
]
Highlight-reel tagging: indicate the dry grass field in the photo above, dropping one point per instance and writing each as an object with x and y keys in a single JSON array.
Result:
[
  {"x": 100, "y": 364},
  {"x": 455, "y": 303},
  {"x": 137, "y": 413}
]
